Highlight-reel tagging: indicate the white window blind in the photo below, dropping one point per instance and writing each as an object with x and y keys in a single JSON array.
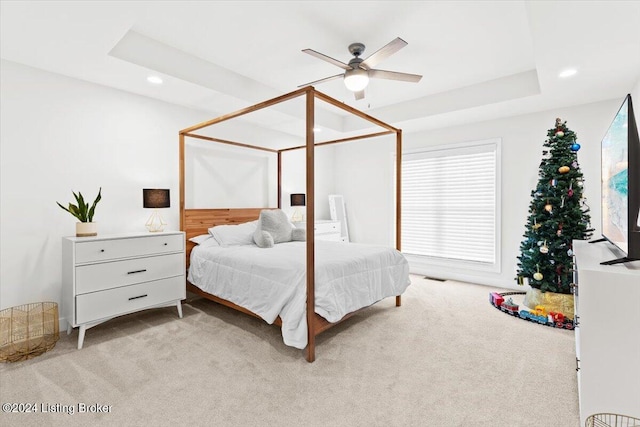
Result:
[{"x": 450, "y": 202}]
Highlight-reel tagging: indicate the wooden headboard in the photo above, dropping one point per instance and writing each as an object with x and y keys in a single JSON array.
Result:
[{"x": 198, "y": 221}]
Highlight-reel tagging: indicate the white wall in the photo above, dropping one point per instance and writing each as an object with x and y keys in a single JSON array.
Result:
[
  {"x": 635, "y": 96},
  {"x": 294, "y": 178},
  {"x": 220, "y": 176},
  {"x": 60, "y": 134},
  {"x": 522, "y": 139},
  {"x": 235, "y": 177},
  {"x": 365, "y": 177}
]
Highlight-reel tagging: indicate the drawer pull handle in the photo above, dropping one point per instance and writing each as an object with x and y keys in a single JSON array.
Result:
[
  {"x": 139, "y": 296},
  {"x": 137, "y": 271},
  {"x": 101, "y": 250},
  {"x": 165, "y": 244}
]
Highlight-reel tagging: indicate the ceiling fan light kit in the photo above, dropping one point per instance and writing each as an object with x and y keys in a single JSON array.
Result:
[
  {"x": 356, "y": 80},
  {"x": 358, "y": 71}
]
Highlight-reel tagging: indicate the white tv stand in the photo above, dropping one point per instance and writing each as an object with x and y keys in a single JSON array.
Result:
[{"x": 607, "y": 332}]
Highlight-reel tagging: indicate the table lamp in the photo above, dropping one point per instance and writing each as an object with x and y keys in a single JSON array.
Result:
[
  {"x": 297, "y": 200},
  {"x": 155, "y": 199}
]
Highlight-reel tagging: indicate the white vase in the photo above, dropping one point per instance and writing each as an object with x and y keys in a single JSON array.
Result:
[{"x": 86, "y": 229}]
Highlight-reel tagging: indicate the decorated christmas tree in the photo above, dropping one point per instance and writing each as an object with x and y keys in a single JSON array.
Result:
[{"x": 558, "y": 215}]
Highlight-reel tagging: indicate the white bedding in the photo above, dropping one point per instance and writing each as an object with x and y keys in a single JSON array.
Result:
[{"x": 272, "y": 282}]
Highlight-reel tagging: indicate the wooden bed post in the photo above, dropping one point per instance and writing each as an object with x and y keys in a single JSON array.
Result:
[
  {"x": 182, "y": 222},
  {"x": 398, "y": 198},
  {"x": 311, "y": 309},
  {"x": 279, "y": 179}
]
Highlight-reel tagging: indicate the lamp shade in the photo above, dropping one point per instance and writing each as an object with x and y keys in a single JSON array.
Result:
[
  {"x": 155, "y": 198},
  {"x": 298, "y": 200}
]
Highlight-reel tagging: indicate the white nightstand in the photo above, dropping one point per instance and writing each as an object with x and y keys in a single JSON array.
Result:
[
  {"x": 324, "y": 229},
  {"x": 107, "y": 276}
]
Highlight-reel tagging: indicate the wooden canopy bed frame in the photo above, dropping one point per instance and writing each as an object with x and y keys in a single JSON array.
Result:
[{"x": 195, "y": 222}]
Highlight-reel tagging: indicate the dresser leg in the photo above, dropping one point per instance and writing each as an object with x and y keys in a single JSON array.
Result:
[
  {"x": 83, "y": 329},
  {"x": 179, "y": 305},
  {"x": 69, "y": 328}
]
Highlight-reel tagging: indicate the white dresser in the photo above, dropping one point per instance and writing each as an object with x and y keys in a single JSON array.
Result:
[
  {"x": 324, "y": 229},
  {"x": 107, "y": 276},
  {"x": 607, "y": 308}
]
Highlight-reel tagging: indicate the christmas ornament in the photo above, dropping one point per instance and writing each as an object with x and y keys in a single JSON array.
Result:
[
  {"x": 559, "y": 134},
  {"x": 570, "y": 252},
  {"x": 544, "y": 248},
  {"x": 553, "y": 182},
  {"x": 535, "y": 225},
  {"x": 562, "y": 203},
  {"x": 570, "y": 191},
  {"x": 548, "y": 207},
  {"x": 564, "y": 169},
  {"x": 575, "y": 164},
  {"x": 537, "y": 275},
  {"x": 575, "y": 146},
  {"x": 559, "y": 232}
]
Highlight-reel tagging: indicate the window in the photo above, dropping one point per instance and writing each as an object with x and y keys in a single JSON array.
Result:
[{"x": 451, "y": 204}]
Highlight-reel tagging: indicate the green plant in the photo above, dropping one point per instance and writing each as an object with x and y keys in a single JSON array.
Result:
[{"x": 82, "y": 211}]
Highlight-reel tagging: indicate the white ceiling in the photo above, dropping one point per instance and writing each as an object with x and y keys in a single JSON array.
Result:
[{"x": 479, "y": 59}]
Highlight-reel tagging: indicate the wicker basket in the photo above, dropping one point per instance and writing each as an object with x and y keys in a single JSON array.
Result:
[
  {"x": 28, "y": 330},
  {"x": 611, "y": 420}
]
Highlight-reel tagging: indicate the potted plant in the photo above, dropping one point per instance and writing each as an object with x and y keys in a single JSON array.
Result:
[{"x": 86, "y": 227}]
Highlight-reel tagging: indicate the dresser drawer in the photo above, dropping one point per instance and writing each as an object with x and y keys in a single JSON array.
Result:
[
  {"x": 113, "y": 274},
  {"x": 104, "y": 250},
  {"x": 327, "y": 227},
  {"x": 127, "y": 299}
]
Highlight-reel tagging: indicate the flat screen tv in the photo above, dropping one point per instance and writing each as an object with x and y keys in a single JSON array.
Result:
[{"x": 621, "y": 184}]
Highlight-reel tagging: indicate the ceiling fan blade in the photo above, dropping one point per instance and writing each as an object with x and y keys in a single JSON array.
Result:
[
  {"x": 359, "y": 95},
  {"x": 383, "y": 53},
  {"x": 393, "y": 75},
  {"x": 327, "y": 58},
  {"x": 326, "y": 79}
]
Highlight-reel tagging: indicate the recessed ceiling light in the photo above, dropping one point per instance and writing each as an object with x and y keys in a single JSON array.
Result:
[
  {"x": 155, "y": 80},
  {"x": 567, "y": 73}
]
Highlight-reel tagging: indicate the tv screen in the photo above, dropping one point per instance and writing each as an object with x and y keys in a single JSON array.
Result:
[{"x": 621, "y": 184}]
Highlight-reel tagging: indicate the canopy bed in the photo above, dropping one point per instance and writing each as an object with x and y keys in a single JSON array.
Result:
[{"x": 197, "y": 222}]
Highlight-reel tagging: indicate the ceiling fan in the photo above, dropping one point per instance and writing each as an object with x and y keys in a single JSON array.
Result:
[{"x": 358, "y": 71}]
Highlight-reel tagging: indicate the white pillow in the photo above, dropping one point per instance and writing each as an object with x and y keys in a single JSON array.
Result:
[
  {"x": 234, "y": 235},
  {"x": 204, "y": 240}
]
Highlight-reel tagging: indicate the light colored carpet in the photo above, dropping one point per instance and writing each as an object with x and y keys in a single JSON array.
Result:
[{"x": 445, "y": 358}]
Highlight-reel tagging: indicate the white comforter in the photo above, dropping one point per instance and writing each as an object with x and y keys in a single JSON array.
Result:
[{"x": 272, "y": 282}]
